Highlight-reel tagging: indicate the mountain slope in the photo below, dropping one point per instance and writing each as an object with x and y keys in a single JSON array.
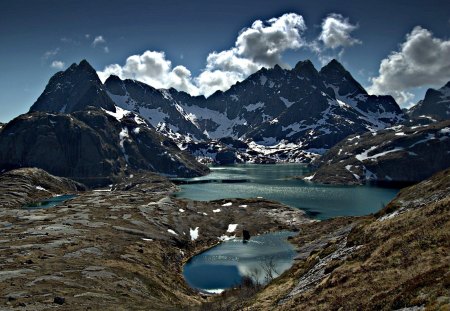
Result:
[
  {"x": 93, "y": 146},
  {"x": 400, "y": 154},
  {"x": 157, "y": 106},
  {"x": 27, "y": 185},
  {"x": 435, "y": 105}
]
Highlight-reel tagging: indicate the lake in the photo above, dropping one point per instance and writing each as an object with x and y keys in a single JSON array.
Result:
[
  {"x": 273, "y": 182},
  {"x": 223, "y": 266}
]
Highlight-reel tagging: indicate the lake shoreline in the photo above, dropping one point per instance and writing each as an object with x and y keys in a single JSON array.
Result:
[{"x": 278, "y": 182}]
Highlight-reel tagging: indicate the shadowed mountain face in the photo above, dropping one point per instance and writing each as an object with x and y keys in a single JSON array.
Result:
[
  {"x": 435, "y": 105},
  {"x": 72, "y": 90},
  {"x": 93, "y": 146}
]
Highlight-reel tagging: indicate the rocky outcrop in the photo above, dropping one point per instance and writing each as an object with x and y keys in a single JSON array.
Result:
[
  {"x": 435, "y": 105},
  {"x": 23, "y": 186},
  {"x": 93, "y": 146},
  {"x": 400, "y": 154}
]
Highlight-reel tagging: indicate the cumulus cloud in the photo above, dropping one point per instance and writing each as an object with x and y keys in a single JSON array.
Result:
[
  {"x": 336, "y": 32},
  {"x": 264, "y": 42},
  {"x": 57, "y": 64},
  {"x": 334, "y": 37},
  {"x": 154, "y": 69},
  {"x": 260, "y": 45},
  {"x": 422, "y": 60},
  {"x": 98, "y": 40}
]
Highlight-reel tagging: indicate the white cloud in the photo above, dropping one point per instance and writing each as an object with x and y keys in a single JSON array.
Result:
[
  {"x": 423, "y": 60},
  {"x": 264, "y": 42},
  {"x": 106, "y": 49},
  {"x": 154, "y": 69},
  {"x": 57, "y": 64},
  {"x": 261, "y": 44},
  {"x": 98, "y": 40},
  {"x": 336, "y": 32},
  {"x": 334, "y": 37}
]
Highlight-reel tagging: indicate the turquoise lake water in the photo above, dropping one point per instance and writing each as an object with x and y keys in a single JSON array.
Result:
[{"x": 273, "y": 182}]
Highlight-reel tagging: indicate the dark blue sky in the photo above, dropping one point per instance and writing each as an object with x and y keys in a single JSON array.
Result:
[{"x": 187, "y": 31}]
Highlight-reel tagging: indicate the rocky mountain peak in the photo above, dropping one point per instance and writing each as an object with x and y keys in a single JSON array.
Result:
[
  {"x": 335, "y": 74},
  {"x": 84, "y": 65},
  {"x": 72, "y": 90},
  {"x": 277, "y": 67},
  {"x": 307, "y": 68},
  {"x": 333, "y": 65},
  {"x": 113, "y": 78}
]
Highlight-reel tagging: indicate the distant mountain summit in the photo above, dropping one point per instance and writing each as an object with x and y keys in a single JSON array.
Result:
[
  {"x": 435, "y": 105},
  {"x": 158, "y": 107},
  {"x": 73, "y": 90}
]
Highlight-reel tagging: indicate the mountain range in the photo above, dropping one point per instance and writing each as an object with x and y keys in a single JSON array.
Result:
[
  {"x": 95, "y": 132},
  {"x": 309, "y": 108}
]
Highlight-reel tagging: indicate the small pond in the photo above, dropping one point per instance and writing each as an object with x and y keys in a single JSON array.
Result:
[
  {"x": 55, "y": 201},
  {"x": 224, "y": 265}
]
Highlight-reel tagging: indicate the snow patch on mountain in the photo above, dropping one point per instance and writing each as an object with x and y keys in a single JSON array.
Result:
[
  {"x": 286, "y": 102},
  {"x": 253, "y": 107}
]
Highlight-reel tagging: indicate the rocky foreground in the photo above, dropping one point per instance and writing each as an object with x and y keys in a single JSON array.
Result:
[
  {"x": 118, "y": 249},
  {"x": 122, "y": 248}
]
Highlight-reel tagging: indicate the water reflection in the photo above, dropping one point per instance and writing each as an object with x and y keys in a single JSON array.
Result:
[{"x": 223, "y": 266}]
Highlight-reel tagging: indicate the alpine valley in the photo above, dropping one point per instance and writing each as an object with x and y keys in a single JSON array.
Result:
[{"x": 90, "y": 217}]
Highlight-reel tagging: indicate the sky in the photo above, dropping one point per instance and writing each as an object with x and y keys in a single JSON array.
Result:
[{"x": 391, "y": 47}]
